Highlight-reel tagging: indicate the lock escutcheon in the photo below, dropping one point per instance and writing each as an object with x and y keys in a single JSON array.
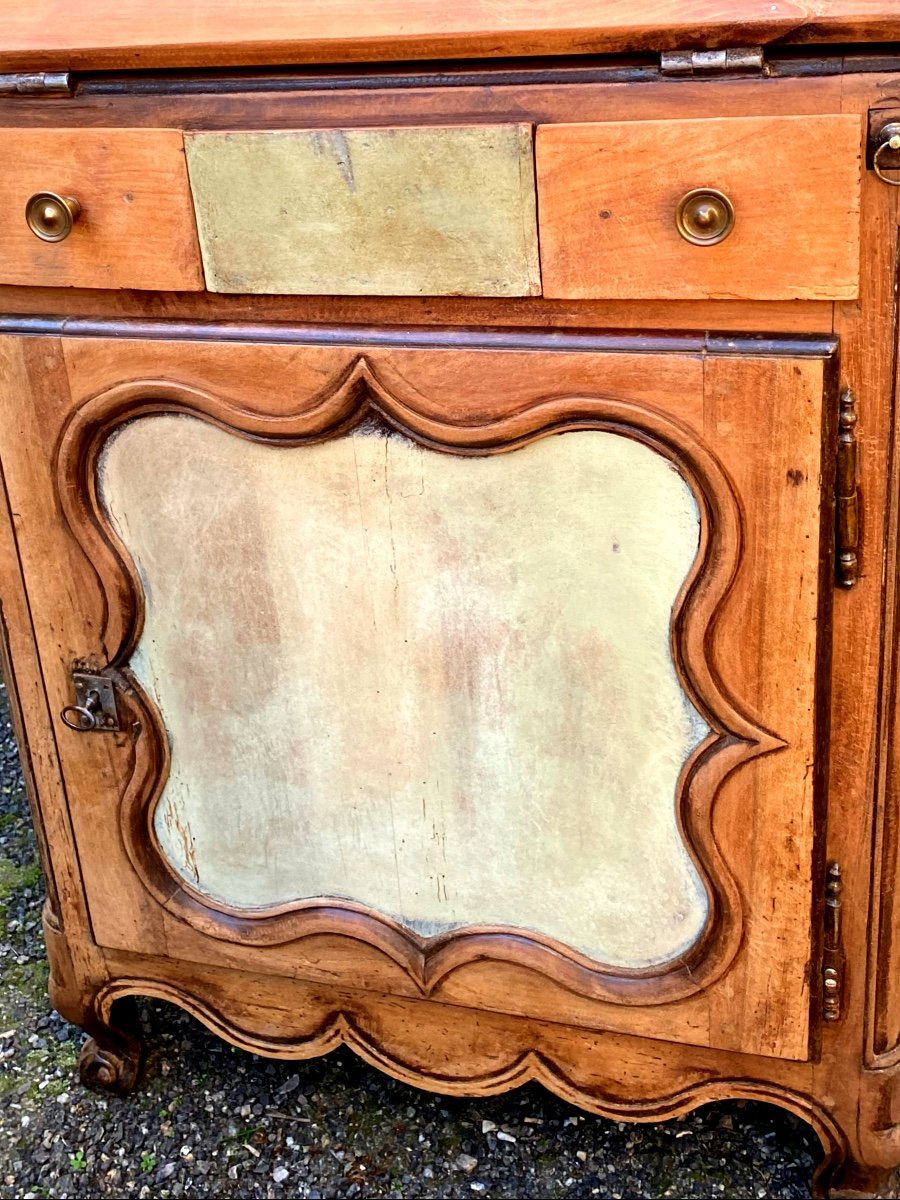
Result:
[{"x": 94, "y": 710}]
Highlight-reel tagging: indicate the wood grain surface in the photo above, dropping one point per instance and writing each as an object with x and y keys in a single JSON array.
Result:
[
  {"x": 52, "y": 35},
  {"x": 136, "y": 228},
  {"x": 608, "y": 194}
]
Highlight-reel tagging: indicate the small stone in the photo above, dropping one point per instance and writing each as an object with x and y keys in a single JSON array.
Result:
[
  {"x": 488, "y": 1126},
  {"x": 503, "y": 1136},
  {"x": 289, "y": 1085},
  {"x": 478, "y": 1187},
  {"x": 466, "y": 1162},
  {"x": 581, "y": 1155},
  {"x": 280, "y": 1174}
]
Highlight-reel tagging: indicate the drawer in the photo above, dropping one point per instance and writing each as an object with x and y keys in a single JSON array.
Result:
[
  {"x": 136, "y": 224},
  {"x": 380, "y": 212},
  {"x": 609, "y": 193}
]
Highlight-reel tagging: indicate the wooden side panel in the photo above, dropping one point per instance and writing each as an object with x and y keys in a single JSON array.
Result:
[
  {"x": 34, "y": 396},
  {"x": 774, "y": 602},
  {"x": 384, "y": 212},
  {"x": 136, "y": 228},
  {"x": 609, "y": 191}
]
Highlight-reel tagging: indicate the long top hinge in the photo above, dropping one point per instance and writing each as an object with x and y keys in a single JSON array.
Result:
[
  {"x": 703, "y": 64},
  {"x": 39, "y": 83},
  {"x": 832, "y": 947}
]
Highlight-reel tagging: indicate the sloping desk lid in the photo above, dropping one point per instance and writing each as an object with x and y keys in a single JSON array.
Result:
[{"x": 56, "y": 35}]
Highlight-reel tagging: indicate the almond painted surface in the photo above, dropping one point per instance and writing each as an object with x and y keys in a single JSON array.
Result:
[
  {"x": 368, "y": 212},
  {"x": 441, "y": 686}
]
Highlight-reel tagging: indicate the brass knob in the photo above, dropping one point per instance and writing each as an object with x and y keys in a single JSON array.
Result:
[
  {"x": 51, "y": 217},
  {"x": 704, "y": 216}
]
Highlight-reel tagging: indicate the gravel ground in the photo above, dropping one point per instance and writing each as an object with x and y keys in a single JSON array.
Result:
[{"x": 211, "y": 1120}]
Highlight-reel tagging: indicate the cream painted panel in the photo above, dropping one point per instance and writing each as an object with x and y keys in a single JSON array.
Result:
[
  {"x": 441, "y": 686},
  {"x": 382, "y": 212}
]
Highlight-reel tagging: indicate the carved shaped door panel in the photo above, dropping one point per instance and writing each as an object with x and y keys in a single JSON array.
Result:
[{"x": 480, "y": 667}]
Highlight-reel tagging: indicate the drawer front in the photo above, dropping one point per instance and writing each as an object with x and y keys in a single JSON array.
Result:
[
  {"x": 609, "y": 193},
  {"x": 382, "y": 212},
  {"x": 136, "y": 224}
]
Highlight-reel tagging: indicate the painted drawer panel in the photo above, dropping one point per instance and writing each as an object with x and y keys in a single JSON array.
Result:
[
  {"x": 443, "y": 211},
  {"x": 136, "y": 227},
  {"x": 609, "y": 191}
]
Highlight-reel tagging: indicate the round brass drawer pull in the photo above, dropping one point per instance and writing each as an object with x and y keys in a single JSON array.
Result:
[
  {"x": 890, "y": 140},
  {"x": 704, "y": 216},
  {"x": 51, "y": 217}
]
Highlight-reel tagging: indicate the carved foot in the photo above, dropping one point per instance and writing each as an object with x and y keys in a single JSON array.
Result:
[
  {"x": 854, "y": 1181},
  {"x": 111, "y": 1061}
]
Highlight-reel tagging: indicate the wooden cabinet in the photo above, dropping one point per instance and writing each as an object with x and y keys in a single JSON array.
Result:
[{"x": 450, "y": 606}]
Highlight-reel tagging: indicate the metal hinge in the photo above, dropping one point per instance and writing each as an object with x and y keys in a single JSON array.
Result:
[
  {"x": 94, "y": 710},
  {"x": 39, "y": 83},
  {"x": 846, "y": 494},
  {"x": 705, "y": 63},
  {"x": 832, "y": 952}
]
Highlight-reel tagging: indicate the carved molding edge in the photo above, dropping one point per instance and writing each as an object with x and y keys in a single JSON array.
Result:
[
  {"x": 733, "y": 741},
  {"x": 584, "y": 1073}
]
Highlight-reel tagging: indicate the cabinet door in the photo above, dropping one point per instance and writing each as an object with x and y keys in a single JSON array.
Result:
[{"x": 488, "y": 668}]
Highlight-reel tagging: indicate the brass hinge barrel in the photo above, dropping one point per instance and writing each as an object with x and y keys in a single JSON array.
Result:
[
  {"x": 690, "y": 64},
  {"x": 846, "y": 494},
  {"x": 37, "y": 83},
  {"x": 832, "y": 950}
]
